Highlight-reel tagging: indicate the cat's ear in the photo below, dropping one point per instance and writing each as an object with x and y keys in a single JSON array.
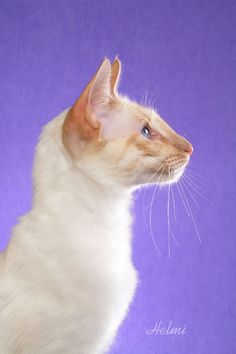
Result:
[
  {"x": 82, "y": 121},
  {"x": 99, "y": 93},
  {"x": 115, "y": 76}
]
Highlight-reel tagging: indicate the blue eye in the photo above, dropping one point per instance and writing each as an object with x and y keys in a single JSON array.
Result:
[{"x": 145, "y": 131}]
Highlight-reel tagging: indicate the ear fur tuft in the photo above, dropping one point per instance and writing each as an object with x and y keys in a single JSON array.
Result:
[{"x": 115, "y": 76}]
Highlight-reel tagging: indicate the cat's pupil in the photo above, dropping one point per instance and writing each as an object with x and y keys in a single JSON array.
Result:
[{"x": 145, "y": 131}]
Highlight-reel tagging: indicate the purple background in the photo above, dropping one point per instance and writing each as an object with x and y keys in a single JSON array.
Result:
[{"x": 183, "y": 53}]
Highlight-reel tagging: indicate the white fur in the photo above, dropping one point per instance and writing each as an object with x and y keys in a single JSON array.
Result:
[{"x": 67, "y": 277}]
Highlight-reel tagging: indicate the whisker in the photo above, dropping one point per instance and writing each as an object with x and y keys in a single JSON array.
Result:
[
  {"x": 144, "y": 98},
  {"x": 195, "y": 178},
  {"x": 183, "y": 200},
  {"x": 173, "y": 236},
  {"x": 152, "y": 100},
  {"x": 196, "y": 173},
  {"x": 194, "y": 223},
  {"x": 145, "y": 101},
  {"x": 191, "y": 194},
  {"x": 143, "y": 207},
  {"x": 196, "y": 190},
  {"x": 194, "y": 183},
  {"x": 144, "y": 195},
  {"x": 148, "y": 102},
  {"x": 173, "y": 201},
  {"x": 150, "y": 215},
  {"x": 170, "y": 230},
  {"x": 175, "y": 219},
  {"x": 149, "y": 180},
  {"x": 143, "y": 204}
]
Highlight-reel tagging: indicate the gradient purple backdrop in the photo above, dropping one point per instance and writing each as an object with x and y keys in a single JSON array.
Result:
[{"x": 182, "y": 53}]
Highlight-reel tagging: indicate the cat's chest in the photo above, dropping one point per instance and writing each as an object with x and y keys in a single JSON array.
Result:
[
  {"x": 90, "y": 268},
  {"x": 102, "y": 256},
  {"x": 92, "y": 254}
]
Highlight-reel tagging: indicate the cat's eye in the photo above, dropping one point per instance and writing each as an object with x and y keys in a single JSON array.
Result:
[{"x": 146, "y": 132}]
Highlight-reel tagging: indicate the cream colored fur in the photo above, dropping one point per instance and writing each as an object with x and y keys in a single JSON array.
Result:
[{"x": 66, "y": 277}]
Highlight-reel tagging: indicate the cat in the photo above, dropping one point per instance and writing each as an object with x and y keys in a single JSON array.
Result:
[{"x": 66, "y": 277}]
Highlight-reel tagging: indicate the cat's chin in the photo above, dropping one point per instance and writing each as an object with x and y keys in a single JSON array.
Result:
[
  {"x": 173, "y": 177},
  {"x": 172, "y": 173},
  {"x": 170, "y": 177},
  {"x": 162, "y": 179}
]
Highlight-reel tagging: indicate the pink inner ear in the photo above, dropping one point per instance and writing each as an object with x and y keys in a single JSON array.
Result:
[{"x": 100, "y": 91}]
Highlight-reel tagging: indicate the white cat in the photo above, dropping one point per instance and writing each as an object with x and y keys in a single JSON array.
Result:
[{"x": 66, "y": 277}]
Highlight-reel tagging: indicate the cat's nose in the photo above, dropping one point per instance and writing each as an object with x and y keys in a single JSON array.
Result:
[
  {"x": 189, "y": 149},
  {"x": 182, "y": 144}
]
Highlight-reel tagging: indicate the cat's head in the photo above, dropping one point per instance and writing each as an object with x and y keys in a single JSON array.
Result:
[{"x": 119, "y": 142}]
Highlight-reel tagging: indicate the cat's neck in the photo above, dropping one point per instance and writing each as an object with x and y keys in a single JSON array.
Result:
[{"x": 59, "y": 186}]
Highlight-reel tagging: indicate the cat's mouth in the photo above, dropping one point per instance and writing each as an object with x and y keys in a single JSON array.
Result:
[{"x": 172, "y": 169}]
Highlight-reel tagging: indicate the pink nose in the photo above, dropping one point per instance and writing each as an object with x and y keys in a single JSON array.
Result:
[{"x": 189, "y": 149}]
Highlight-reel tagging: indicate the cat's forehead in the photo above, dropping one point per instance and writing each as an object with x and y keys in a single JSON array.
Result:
[
  {"x": 139, "y": 111},
  {"x": 145, "y": 114}
]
